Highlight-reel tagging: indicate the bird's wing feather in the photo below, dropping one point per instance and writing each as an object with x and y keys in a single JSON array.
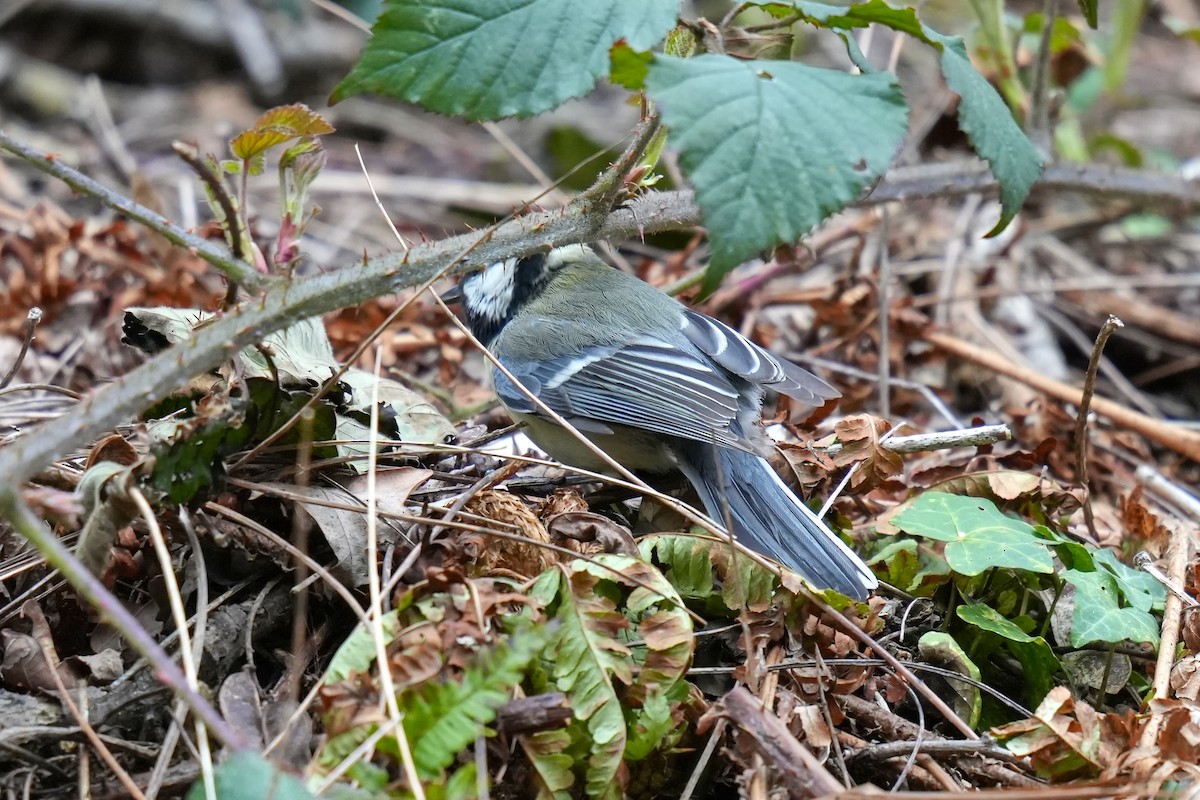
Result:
[
  {"x": 747, "y": 360},
  {"x": 647, "y": 384}
]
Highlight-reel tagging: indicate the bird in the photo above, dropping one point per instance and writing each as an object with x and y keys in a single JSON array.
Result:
[{"x": 660, "y": 388}]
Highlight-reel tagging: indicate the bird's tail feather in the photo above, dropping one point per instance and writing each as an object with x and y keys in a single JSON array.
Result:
[{"x": 770, "y": 520}]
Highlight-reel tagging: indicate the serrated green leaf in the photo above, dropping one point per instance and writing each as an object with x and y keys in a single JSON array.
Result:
[
  {"x": 977, "y": 534},
  {"x": 1098, "y": 616},
  {"x": 990, "y": 126},
  {"x": 628, "y": 66},
  {"x": 773, "y": 148},
  {"x": 500, "y": 58},
  {"x": 982, "y": 114},
  {"x": 681, "y": 42},
  {"x": 249, "y": 776},
  {"x": 860, "y": 15}
]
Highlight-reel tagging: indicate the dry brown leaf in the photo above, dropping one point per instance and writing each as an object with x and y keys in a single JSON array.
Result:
[
  {"x": 1179, "y": 737},
  {"x": 1142, "y": 527},
  {"x": 1185, "y": 679},
  {"x": 586, "y": 527},
  {"x": 526, "y": 556},
  {"x": 860, "y": 437}
]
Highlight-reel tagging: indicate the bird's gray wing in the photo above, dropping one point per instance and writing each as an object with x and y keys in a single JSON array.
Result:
[
  {"x": 752, "y": 363},
  {"x": 647, "y": 384}
]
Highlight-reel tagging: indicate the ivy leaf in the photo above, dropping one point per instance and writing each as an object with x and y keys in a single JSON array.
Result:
[
  {"x": 1098, "y": 617},
  {"x": 499, "y": 58},
  {"x": 989, "y": 619},
  {"x": 940, "y": 648},
  {"x": 982, "y": 114},
  {"x": 1139, "y": 589},
  {"x": 1038, "y": 662},
  {"x": 773, "y": 148},
  {"x": 249, "y": 776},
  {"x": 977, "y": 534}
]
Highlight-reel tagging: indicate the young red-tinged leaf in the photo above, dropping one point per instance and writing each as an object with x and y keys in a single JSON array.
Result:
[{"x": 277, "y": 126}]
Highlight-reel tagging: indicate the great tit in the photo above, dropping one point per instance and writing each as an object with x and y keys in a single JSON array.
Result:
[{"x": 660, "y": 388}]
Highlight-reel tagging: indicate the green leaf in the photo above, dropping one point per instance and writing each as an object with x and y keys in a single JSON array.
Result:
[
  {"x": 488, "y": 59},
  {"x": 249, "y": 776},
  {"x": 977, "y": 534},
  {"x": 990, "y": 126},
  {"x": 913, "y": 569},
  {"x": 629, "y": 66},
  {"x": 1090, "y": 9},
  {"x": 442, "y": 719},
  {"x": 941, "y": 649},
  {"x": 745, "y": 584},
  {"x": 686, "y": 563},
  {"x": 1098, "y": 617},
  {"x": 547, "y": 751},
  {"x": 1038, "y": 662},
  {"x": 1039, "y": 665},
  {"x": 774, "y": 148},
  {"x": 1139, "y": 588},
  {"x": 988, "y": 619},
  {"x": 982, "y": 114},
  {"x": 276, "y": 126},
  {"x": 357, "y": 652},
  {"x": 587, "y": 654},
  {"x": 624, "y": 697}
]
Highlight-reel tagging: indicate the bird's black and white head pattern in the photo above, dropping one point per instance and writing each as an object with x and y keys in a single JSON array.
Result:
[{"x": 492, "y": 296}]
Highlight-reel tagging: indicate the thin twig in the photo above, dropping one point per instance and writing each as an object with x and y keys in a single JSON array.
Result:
[
  {"x": 34, "y": 612},
  {"x": 1172, "y": 436},
  {"x": 1081, "y": 449},
  {"x": 219, "y": 191},
  {"x": 945, "y": 440},
  {"x": 710, "y": 747},
  {"x": 31, "y": 320},
  {"x": 864, "y": 638},
  {"x": 301, "y": 526},
  {"x": 235, "y": 269},
  {"x": 1182, "y": 546},
  {"x": 187, "y": 655},
  {"x": 99, "y": 597},
  {"x": 375, "y": 611},
  {"x": 885, "y": 316}
]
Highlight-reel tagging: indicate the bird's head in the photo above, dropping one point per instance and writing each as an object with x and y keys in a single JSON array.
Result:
[{"x": 492, "y": 296}]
